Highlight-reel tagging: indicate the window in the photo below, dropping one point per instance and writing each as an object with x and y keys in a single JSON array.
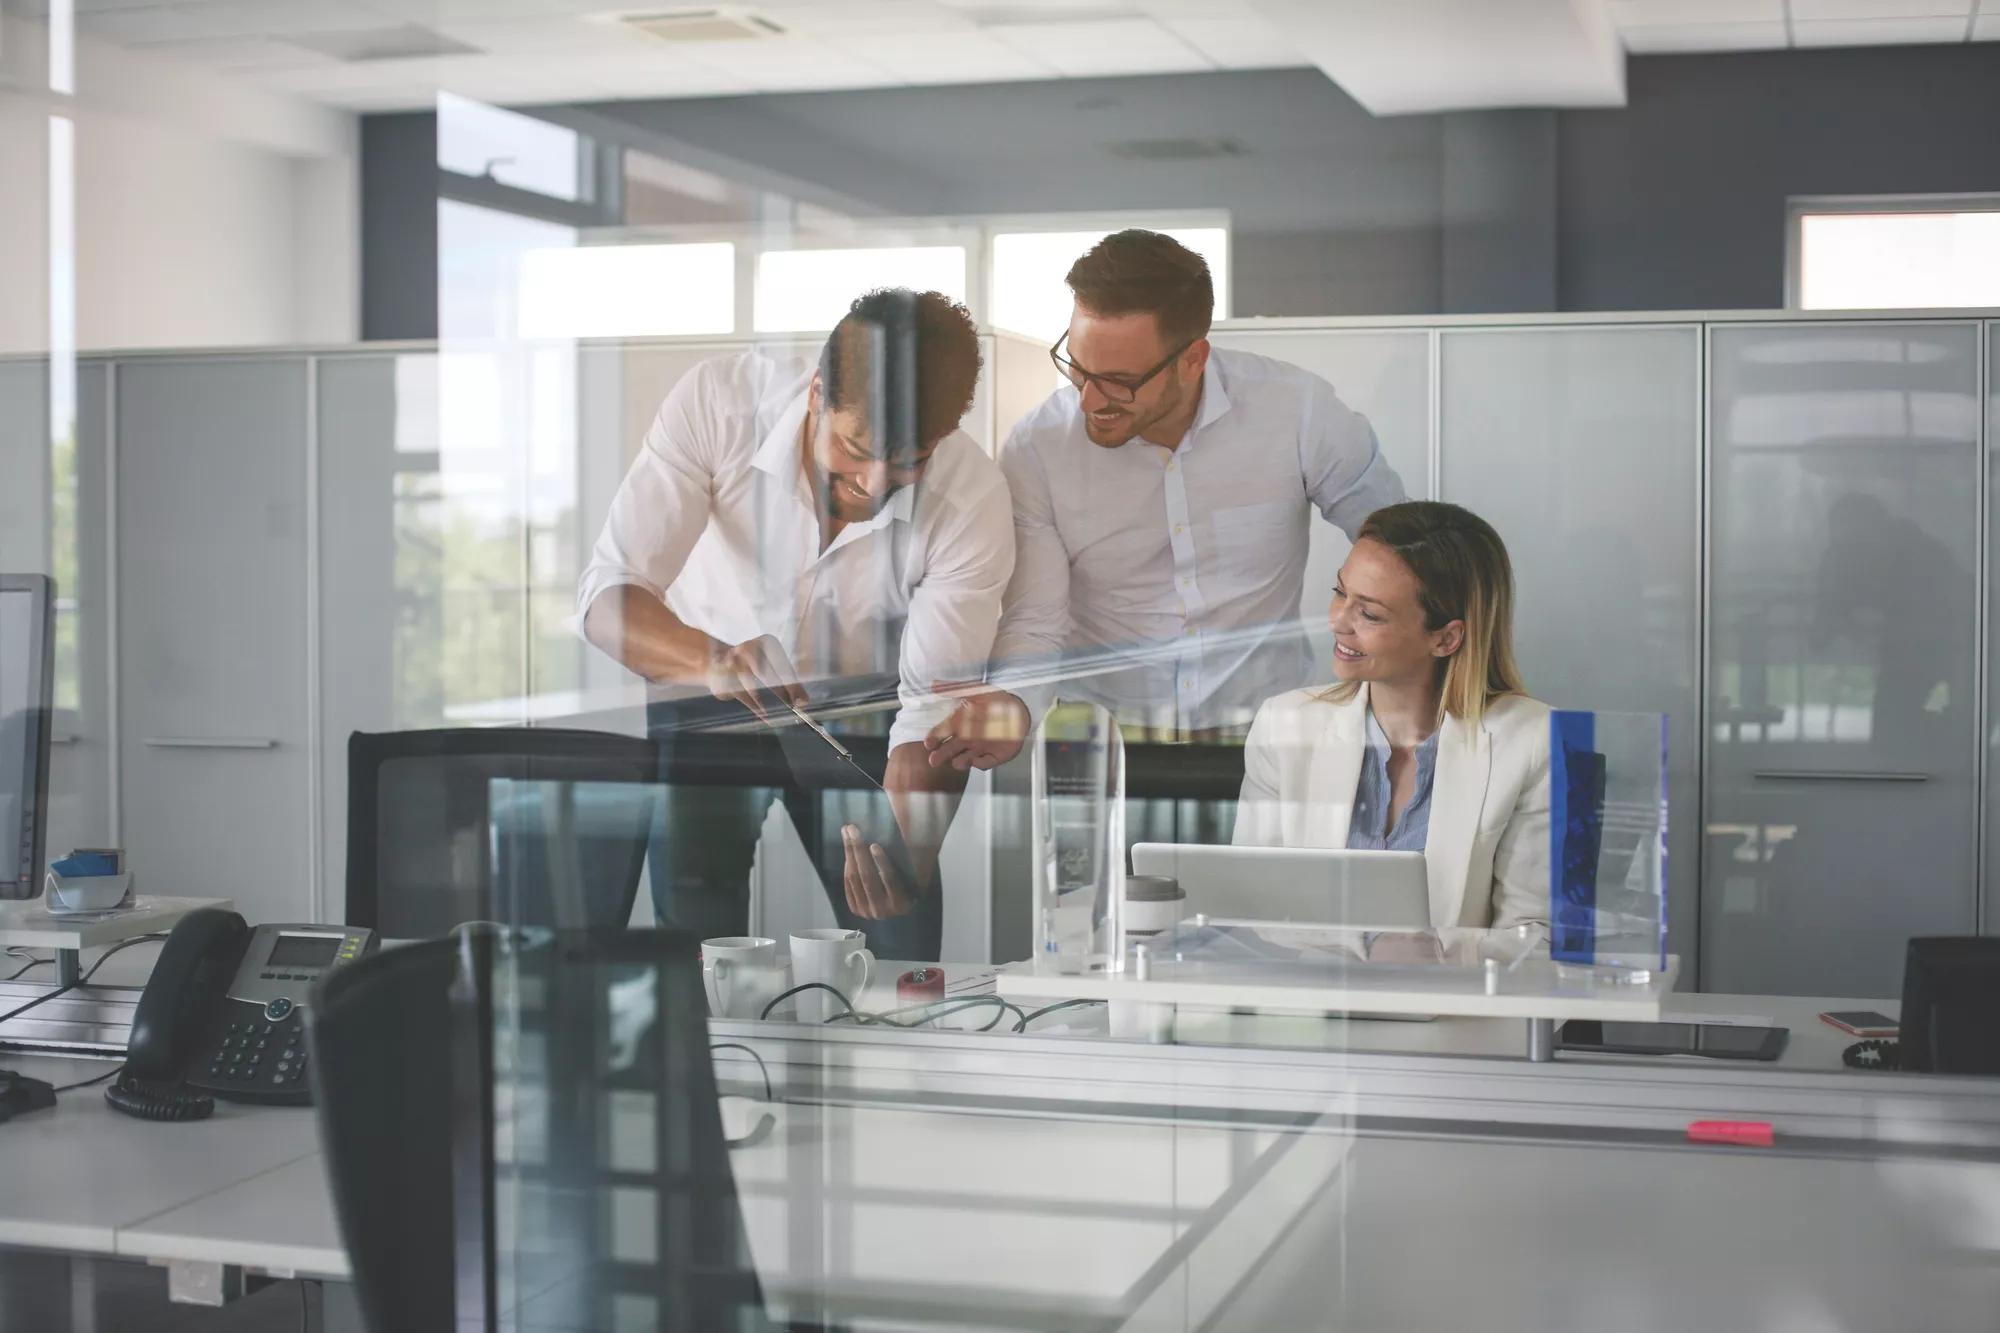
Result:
[
  {"x": 1029, "y": 296},
  {"x": 1885, "y": 254},
  {"x": 800, "y": 291},
  {"x": 628, "y": 291},
  {"x": 474, "y": 139}
]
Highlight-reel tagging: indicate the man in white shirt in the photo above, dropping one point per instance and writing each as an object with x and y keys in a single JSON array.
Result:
[
  {"x": 1161, "y": 510},
  {"x": 788, "y": 526}
]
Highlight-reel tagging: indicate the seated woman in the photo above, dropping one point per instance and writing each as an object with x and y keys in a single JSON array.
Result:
[{"x": 1426, "y": 742}]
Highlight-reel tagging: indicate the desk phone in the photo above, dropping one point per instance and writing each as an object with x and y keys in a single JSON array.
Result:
[{"x": 224, "y": 1015}]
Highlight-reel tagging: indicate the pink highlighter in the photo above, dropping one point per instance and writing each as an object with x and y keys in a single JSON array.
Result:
[{"x": 1741, "y": 1133}]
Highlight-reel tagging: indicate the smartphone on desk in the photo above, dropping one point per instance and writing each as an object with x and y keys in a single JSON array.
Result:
[
  {"x": 223, "y": 1015},
  {"x": 1861, "y": 1022}
]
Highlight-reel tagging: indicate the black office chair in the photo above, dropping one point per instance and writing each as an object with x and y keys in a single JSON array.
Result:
[
  {"x": 396, "y": 1063},
  {"x": 432, "y": 843},
  {"x": 607, "y": 1037}
]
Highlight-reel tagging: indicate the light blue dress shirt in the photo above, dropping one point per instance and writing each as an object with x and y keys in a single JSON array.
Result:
[{"x": 1369, "y": 831}]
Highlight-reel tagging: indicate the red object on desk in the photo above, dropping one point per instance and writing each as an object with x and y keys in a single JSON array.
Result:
[
  {"x": 920, "y": 985},
  {"x": 1742, "y": 1133}
]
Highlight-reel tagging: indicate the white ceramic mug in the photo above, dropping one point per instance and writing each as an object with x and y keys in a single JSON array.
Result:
[
  {"x": 741, "y": 974},
  {"x": 832, "y": 957}
]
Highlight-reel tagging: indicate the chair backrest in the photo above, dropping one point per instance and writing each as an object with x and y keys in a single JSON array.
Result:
[
  {"x": 611, "y": 1100},
  {"x": 390, "y": 1052},
  {"x": 1951, "y": 997},
  {"x": 429, "y": 847}
]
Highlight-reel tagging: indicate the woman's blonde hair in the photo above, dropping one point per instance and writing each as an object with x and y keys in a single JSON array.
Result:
[{"x": 1463, "y": 573}]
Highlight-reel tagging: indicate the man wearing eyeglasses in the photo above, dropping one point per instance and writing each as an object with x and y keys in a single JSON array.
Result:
[
  {"x": 789, "y": 529},
  {"x": 1161, "y": 508}
]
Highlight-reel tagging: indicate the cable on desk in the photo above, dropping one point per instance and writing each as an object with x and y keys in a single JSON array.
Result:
[
  {"x": 812, "y": 985},
  {"x": 92, "y": 1082},
  {"x": 739, "y": 1046},
  {"x": 26, "y": 967},
  {"x": 12, "y": 1014},
  {"x": 1026, "y": 1019},
  {"x": 122, "y": 944},
  {"x": 932, "y": 1009}
]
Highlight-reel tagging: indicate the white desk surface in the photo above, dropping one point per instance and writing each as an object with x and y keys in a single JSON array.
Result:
[
  {"x": 29, "y": 924},
  {"x": 74, "y": 1176},
  {"x": 1536, "y": 989},
  {"x": 906, "y": 1209}
]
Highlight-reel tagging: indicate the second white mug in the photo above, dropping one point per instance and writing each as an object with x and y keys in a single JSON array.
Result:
[{"x": 833, "y": 957}]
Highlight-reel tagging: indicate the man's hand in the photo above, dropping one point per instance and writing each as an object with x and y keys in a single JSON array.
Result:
[
  {"x": 985, "y": 730},
  {"x": 875, "y": 888},
  {"x": 756, "y": 674}
]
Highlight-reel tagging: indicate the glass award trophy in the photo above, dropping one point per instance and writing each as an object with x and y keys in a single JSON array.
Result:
[
  {"x": 1077, "y": 795},
  {"x": 1608, "y": 840}
]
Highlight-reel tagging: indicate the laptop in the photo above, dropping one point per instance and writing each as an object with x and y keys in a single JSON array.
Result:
[{"x": 1308, "y": 885}]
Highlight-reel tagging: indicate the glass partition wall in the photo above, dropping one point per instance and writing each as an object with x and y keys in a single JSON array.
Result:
[{"x": 1685, "y": 505}]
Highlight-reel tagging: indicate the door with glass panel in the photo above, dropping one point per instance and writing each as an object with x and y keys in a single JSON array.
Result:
[
  {"x": 1581, "y": 446},
  {"x": 1843, "y": 738}
]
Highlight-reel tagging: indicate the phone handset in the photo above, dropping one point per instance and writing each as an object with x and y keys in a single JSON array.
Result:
[{"x": 189, "y": 980}]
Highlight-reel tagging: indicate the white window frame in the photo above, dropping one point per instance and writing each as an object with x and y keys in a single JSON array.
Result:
[{"x": 1798, "y": 206}]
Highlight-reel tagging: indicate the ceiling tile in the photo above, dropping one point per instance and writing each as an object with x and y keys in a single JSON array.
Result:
[
  {"x": 788, "y": 64},
  {"x": 1817, "y": 11},
  {"x": 228, "y": 19},
  {"x": 1879, "y": 32},
  {"x": 1239, "y": 43},
  {"x": 1103, "y": 47},
  {"x": 969, "y": 56},
  {"x": 240, "y": 54},
  {"x": 1662, "y": 39},
  {"x": 564, "y": 33},
  {"x": 1692, "y": 13},
  {"x": 867, "y": 18}
]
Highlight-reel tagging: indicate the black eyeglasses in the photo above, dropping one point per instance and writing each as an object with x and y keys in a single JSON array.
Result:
[{"x": 1117, "y": 390}]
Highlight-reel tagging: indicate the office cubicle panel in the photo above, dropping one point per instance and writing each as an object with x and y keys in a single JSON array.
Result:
[
  {"x": 1582, "y": 446},
  {"x": 1843, "y": 644},
  {"x": 381, "y": 585},
  {"x": 213, "y": 668},
  {"x": 52, "y": 494},
  {"x": 1384, "y": 374},
  {"x": 1989, "y": 879}
]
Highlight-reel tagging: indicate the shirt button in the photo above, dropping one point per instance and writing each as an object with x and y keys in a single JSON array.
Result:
[
  {"x": 1178, "y": 529},
  {"x": 1170, "y": 465}
]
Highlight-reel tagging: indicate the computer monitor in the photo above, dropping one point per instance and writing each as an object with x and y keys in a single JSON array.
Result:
[{"x": 27, "y": 703}]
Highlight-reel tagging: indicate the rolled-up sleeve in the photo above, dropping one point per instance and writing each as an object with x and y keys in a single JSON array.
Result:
[
  {"x": 1340, "y": 459},
  {"x": 662, "y": 506},
  {"x": 1036, "y": 624},
  {"x": 955, "y": 607}
]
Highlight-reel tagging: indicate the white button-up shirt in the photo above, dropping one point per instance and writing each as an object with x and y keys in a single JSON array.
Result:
[
  {"x": 1164, "y": 583},
  {"x": 716, "y": 517}
]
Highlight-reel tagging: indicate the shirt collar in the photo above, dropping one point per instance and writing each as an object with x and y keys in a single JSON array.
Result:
[
  {"x": 1214, "y": 397},
  {"x": 778, "y": 456},
  {"x": 1378, "y": 739}
]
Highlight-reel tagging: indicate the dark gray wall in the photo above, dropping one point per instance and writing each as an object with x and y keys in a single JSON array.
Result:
[
  {"x": 399, "y": 255},
  {"x": 1333, "y": 209},
  {"x": 1676, "y": 201}
]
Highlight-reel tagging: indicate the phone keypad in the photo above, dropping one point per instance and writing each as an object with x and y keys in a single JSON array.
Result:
[{"x": 261, "y": 1055}]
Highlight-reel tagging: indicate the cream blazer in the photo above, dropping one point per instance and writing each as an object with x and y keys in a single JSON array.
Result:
[{"x": 1487, "y": 854}]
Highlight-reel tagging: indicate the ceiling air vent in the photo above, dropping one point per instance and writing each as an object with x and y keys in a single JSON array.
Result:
[
  {"x": 1175, "y": 150},
  {"x": 703, "y": 25}
]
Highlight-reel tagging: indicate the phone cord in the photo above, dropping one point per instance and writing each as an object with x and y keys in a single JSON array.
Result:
[{"x": 1872, "y": 1055}]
